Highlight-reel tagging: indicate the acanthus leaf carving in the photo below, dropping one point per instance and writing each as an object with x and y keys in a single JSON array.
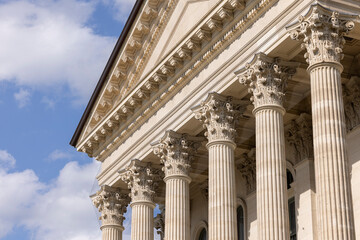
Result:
[
  {"x": 300, "y": 138},
  {"x": 142, "y": 179},
  {"x": 111, "y": 203},
  {"x": 351, "y": 93},
  {"x": 247, "y": 168},
  {"x": 176, "y": 152},
  {"x": 322, "y": 33},
  {"x": 266, "y": 78},
  {"x": 220, "y": 115},
  {"x": 159, "y": 222}
]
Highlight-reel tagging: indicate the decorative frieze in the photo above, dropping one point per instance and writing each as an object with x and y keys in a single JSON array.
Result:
[
  {"x": 159, "y": 222},
  {"x": 142, "y": 179},
  {"x": 186, "y": 51},
  {"x": 300, "y": 137},
  {"x": 176, "y": 152},
  {"x": 351, "y": 94},
  {"x": 247, "y": 168},
  {"x": 322, "y": 33},
  {"x": 266, "y": 78},
  {"x": 220, "y": 115},
  {"x": 112, "y": 204}
]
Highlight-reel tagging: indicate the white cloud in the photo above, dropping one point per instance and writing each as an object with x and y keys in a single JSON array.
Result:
[
  {"x": 59, "y": 155},
  {"x": 48, "y": 44},
  {"x": 22, "y": 97},
  {"x": 7, "y": 161},
  {"x": 61, "y": 210}
]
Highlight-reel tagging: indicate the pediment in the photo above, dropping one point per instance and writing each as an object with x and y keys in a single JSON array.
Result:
[
  {"x": 160, "y": 25},
  {"x": 186, "y": 16}
]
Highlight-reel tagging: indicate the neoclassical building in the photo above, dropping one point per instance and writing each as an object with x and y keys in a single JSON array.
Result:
[{"x": 238, "y": 118}]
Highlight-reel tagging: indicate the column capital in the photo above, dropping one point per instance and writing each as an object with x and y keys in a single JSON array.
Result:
[
  {"x": 111, "y": 203},
  {"x": 322, "y": 33},
  {"x": 143, "y": 181},
  {"x": 266, "y": 78},
  {"x": 299, "y": 136},
  {"x": 176, "y": 152},
  {"x": 220, "y": 114}
]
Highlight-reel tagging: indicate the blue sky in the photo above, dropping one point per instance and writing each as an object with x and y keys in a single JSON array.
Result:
[{"x": 52, "y": 53}]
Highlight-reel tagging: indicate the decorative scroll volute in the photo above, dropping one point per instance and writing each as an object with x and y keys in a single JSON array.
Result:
[
  {"x": 220, "y": 115},
  {"x": 111, "y": 203},
  {"x": 247, "y": 167},
  {"x": 266, "y": 78},
  {"x": 300, "y": 138},
  {"x": 176, "y": 152},
  {"x": 322, "y": 33},
  {"x": 142, "y": 179}
]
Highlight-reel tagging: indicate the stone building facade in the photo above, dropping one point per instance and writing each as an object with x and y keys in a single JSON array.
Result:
[{"x": 239, "y": 118}]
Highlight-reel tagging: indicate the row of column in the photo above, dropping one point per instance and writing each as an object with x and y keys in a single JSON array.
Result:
[{"x": 322, "y": 32}]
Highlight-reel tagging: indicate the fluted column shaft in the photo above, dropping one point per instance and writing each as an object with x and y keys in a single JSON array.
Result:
[
  {"x": 333, "y": 190},
  {"x": 177, "y": 204},
  {"x": 112, "y": 232},
  {"x": 176, "y": 152},
  {"x": 142, "y": 221},
  {"x": 322, "y": 32},
  {"x": 111, "y": 203},
  {"x": 267, "y": 78},
  {"x": 222, "y": 191},
  {"x": 142, "y": 179},
  {"x": 272, "y": 207},
  {"x": 220, "y": 115}
]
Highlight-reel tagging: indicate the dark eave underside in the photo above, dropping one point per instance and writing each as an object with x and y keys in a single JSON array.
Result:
[{"x": 102, "y": 80}]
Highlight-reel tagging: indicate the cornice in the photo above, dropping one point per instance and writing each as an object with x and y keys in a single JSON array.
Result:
[{"x": 166, "y": 77}]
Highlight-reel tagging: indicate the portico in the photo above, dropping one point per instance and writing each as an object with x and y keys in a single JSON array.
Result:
[{"x": 232, "y": 125}]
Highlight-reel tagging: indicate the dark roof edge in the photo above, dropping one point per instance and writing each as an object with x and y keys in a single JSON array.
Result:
[{"x": 102, "y": 80}]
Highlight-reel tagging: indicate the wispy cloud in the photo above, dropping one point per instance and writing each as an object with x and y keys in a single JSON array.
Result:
[
  {"x": 7, "y": 161},
  {"x": 121, "y": 8},
  {"x": 58, "y": 155},
  {"x": 22, "y": 97}
]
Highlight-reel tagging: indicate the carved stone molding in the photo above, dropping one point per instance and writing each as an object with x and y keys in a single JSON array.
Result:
[
  {"x": 118, "y": 127},
  {"x": 159, "y": 222},
  {"x": 247, "y": 167},
  {"x": 220, "y": 115},
  {"x": 142, "y": 179},
  {"x": 111, "y": 203},
  {"x": 322, "y": 33},
  {"x": 351, "y": 94},
  {"x": 300, "y": 137},
  {"x": 176, "y": 152},
  {"x": 266, "y": 78}
]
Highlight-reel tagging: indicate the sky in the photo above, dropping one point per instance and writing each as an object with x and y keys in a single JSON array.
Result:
[{"x": 52, "y": 53}]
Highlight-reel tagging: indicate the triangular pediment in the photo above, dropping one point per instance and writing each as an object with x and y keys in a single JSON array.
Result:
[
  {"x": 186, "y": 16},
  {"x": 159, "y": 27}
]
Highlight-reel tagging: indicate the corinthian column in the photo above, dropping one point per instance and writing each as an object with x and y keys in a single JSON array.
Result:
[
  {"x": 142, "y": 179},
  {"x": 112, "y": 204},
  {"x": 267, "y": 80},
  {"x": 322, "y": 34},
  {"x": 219, "y": 115},
  {"x": 176, "y": 152}
]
